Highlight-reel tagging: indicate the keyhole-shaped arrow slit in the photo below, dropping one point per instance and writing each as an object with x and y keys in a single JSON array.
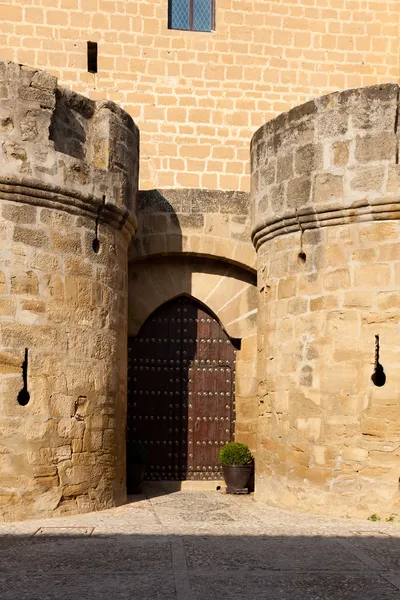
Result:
[
  {"x": 96, "y": 241},
  {"x": 378, "y": 376},
  {"x": 24, "y": 395}
]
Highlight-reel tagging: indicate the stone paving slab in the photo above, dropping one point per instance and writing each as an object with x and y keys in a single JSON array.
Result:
[
  {"x": 95, "y": 553},
  {"x": 199, "y": 546},
  {"x": 270, "y": 553},
  {"x": 242, "y": 586},
  {"x": 84, "y": 586}
]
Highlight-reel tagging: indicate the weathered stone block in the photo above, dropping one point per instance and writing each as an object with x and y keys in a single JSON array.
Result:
[
  {"x": 36, "y": 306},
  {"x": 66, "y": 243},
  {"x": 308, "y": 158},
  {"x": 30, "y": 237},
  {"x": 297, "y": 306},
  {"x": 393, "y": 182},
  {"x": 191, "y": 222},
  {"x": 44, "y": 470},
  {"x": 43, "y": 80},
  {"x": 388, "y": 300},
  {"x": 268, "y": 173},
  {"x": 372, "y": 275},
  {"x": 287, "y": 287},
  {"x": 310, "y": 284},
  {"x": 340, "y": 153},
  {"x": 284, "y": 168},
  {"x": 25, "y": 283},
  {"x": 381, "y": 146},
  {"x": 298, "y": 192},
  {"x": 327, "y": 187},
  {"x": 373, "y": 428},
  {"x": 368, "y": 179},
  {"x": 10, "y": 363},
  {"x": 19, "y": 213},
  {"x": 337, "y": 279},
  {"x": 378, "y": 232},
  {"x": 324, "y": 303},
  {"x": 275, "y": 197},
  {"x": 358, "y": 299}
]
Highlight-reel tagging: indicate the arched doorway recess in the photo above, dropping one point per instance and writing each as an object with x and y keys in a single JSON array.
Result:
[{"x": 181, "y": 385}]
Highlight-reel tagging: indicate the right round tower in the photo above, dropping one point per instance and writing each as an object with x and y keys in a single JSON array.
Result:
[{"x": 325, "y": 201}]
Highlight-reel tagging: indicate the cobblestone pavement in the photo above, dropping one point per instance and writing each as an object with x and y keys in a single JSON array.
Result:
[{"x": 199, "y": 546}]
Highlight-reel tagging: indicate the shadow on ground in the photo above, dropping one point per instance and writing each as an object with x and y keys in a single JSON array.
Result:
[{"x": 75, "y": 563}]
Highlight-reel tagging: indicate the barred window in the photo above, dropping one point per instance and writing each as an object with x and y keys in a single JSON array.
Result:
[{"x": 191, "y": 15}]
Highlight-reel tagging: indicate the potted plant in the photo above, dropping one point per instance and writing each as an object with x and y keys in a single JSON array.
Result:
[
  {"x": 237, "y": 465},
  {"x": 136, "y": 457}
]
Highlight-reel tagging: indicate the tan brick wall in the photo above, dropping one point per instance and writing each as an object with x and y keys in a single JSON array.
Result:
[
  {"x": 328, "y": 241},
  {"x": 198, "y": 97}
]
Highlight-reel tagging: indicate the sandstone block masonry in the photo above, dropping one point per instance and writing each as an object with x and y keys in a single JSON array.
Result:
[
  {"x": 325, "y": 199},
  {"x": 198, "y": 97},
  {"x": 68, "y": 182}
]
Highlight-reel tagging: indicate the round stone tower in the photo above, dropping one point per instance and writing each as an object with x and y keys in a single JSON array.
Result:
[
  {"x": 325, "y": 197},
  {"x": 68, "y": 184}
]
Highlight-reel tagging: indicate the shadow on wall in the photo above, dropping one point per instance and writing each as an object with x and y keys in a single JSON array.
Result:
[
  {"x": 213, "y": 223},
  {"x": 69, "y": 123},
  {"x": 51, "y": 564}
]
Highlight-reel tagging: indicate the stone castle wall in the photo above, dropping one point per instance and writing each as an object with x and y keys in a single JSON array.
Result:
[
  {"x": 198, "y": 97},
  {"x": 66, "y": 164},
  {"x": 325, "y": 190},
  {"x": 325, "y": 193}
]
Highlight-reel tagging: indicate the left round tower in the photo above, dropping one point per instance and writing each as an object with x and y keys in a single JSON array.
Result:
[{"x": 68, "y": 186}]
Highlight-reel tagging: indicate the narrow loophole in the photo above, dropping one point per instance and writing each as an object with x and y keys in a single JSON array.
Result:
[
  {"x": 23, "y": 397},
  {"x": 378, "y": 377},
  {"x": 92, "y": 57},
  {"x": 302, "y": 257},
  {"x": 96, "y": 245}
]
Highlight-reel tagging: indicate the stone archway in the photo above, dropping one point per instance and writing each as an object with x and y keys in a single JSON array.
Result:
[
  {"x": 197, "y": 242},
  {"x": 229, "y": 292},
  {"x": 181, "y": 385}
]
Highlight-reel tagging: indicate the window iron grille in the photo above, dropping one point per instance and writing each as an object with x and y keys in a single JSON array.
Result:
[{"x": 191, "y": 15}]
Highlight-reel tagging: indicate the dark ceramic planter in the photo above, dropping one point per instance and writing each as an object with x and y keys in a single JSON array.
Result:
[
  {"x": 134, "y": 478},
  {"x": 237, "y": 478}
]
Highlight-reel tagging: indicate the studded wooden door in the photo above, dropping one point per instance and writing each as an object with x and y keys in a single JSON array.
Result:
[{"x": 181, "y": 373}]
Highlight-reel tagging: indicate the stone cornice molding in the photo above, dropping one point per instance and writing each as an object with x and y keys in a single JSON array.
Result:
[
  {"x": 55, "y": 197},
  {"x": 384, "y": 209}
]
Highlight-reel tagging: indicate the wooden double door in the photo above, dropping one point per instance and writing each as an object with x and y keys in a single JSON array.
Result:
[{"x": 181, "y": 374}]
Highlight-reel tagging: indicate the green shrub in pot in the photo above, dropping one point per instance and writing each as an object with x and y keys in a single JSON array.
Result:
[
  {"x": 237, "y": 465},
  {"x": 235, "y": 453}
]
